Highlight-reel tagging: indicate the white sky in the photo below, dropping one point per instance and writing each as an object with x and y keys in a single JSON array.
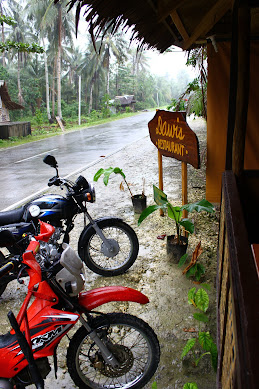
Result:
[{"x": 169, "y": 63}]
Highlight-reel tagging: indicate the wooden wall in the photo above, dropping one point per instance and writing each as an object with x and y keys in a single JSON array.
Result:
[{"x": 218, "y": 96}]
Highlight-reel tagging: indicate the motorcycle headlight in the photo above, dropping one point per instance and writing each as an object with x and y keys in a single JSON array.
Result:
[{"x": 89, "y": 194}]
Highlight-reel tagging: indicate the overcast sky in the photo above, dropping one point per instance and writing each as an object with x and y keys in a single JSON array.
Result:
[{"x": 169, "y": 63}]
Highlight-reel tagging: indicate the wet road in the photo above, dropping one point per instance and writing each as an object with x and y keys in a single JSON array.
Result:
[{"x": 23, "y": 174}]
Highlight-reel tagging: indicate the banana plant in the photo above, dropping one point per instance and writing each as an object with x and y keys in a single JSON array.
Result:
[{"x": 175, "y": 212}]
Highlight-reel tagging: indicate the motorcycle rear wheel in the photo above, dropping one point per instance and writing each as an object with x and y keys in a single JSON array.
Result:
[
  {"x": 3, "y": 284},
  {"x": 95, "y": 255},
  {"x": 130, "y": 339}
]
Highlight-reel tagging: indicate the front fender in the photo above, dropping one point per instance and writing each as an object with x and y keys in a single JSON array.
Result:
[
  {"x": 86, "y": 230},
  {"x": 99, "y": 296}
]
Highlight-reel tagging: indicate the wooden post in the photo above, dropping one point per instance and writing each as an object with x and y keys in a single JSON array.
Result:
[
  {"x": 160, "y": 175},
  {"x": 244, "y": 23},
  {"x": 184, "y": 187}
]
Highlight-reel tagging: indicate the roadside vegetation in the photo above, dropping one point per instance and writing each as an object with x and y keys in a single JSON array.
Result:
[
  {"x": 47, "y": 70},
  {"x": 41, "y": 129}
]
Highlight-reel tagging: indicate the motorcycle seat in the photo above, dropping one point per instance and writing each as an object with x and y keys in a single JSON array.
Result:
[{"x": 11, "y": 217}]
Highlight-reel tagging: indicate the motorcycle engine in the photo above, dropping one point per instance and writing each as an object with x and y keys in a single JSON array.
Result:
[{"x": 71, "y": 277}]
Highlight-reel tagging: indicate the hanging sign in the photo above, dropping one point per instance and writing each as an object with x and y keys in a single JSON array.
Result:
[{"x": 173, "y": 137}]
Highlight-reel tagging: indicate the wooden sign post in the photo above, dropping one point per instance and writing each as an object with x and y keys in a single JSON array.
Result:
[{"x": 173, "y": 138}]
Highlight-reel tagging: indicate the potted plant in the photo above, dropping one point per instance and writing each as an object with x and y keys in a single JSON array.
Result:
[
  {"x": 177, "y": 243},
  {"x": 139, "y": 201}
]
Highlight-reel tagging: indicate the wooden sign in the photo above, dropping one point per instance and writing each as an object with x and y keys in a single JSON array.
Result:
[{"x": 173, "y": 137}]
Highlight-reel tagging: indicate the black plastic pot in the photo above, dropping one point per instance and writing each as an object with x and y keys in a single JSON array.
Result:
[
  {"x": 176, "y": 251},
  {"x": 139, "y": 203}
]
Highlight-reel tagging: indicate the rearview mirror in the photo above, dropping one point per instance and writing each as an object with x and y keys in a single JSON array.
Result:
[{"x": 50, "y": 160}]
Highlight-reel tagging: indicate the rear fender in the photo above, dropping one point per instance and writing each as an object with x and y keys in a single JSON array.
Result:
[
  {"x": 88, "y": 228},
  {"x": 99, "y": 296}
]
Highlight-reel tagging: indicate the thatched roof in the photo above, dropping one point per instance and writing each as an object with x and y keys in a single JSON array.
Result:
[
  {"x": 163, "y": 23},
  {"x": 11, "y": 105}
]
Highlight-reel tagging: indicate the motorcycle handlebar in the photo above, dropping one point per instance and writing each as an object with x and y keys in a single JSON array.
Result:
[{"x": 54, "y": 181}]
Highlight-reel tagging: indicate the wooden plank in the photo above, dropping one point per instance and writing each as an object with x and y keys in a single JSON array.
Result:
[
  {"x": 60, "y": 123},
  {"x": 208, "y": 21},
  {"x": 179, "y": 25}
]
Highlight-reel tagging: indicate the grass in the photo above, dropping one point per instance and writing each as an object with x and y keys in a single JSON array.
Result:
[{"x": 46, "y": 130}]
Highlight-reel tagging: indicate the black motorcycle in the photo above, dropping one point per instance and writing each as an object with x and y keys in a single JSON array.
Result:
[{"x": 108, "y": 246}]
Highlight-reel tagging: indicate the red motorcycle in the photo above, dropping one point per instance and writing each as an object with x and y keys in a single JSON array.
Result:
[{"x": 112, "y": 350}]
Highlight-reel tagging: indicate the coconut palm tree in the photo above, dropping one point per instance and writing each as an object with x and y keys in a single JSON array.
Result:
[
  {"x": 20, "y": 33},
  {"x": 58, "y": 26}
]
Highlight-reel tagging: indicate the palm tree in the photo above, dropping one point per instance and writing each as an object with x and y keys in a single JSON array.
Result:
[
  {"x": 112, "y": 45},
  {"x": 19, "y": 33},
  {"x": 58, "y": 26}
]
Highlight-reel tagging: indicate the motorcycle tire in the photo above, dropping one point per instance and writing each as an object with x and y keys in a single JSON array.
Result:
[
  {"x": 132, "y": 342},
  {"x": 3, "y": 284},
  {"x": 93, "y": 252}
]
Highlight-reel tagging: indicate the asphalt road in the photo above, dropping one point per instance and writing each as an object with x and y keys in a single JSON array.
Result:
[{"x": 23, "y": 174}]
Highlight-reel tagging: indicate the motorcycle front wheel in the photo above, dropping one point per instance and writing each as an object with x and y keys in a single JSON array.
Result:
[
  {"x": 133, "y": 343},
  {"x": 98, "y": 258}
]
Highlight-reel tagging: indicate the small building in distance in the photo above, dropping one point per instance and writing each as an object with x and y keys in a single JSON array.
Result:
[
  {"x": 10, "y": 129},
  {"x": 120, "y": 103}
]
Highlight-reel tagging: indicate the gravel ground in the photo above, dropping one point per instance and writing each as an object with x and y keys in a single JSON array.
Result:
[{"x": 153, "y": 273}]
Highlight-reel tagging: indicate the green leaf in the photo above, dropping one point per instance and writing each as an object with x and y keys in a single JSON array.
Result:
[
  {"x": 182, "y": 260},
  {"x": 174, "y": 212},
  {"x": 154, "y": 385},
  {"x": 107, "y": 172},
  {"x": 190, "y": 385},
  {"x": 205, "y": 340},
  {"x": 214, "y": 356},
  {"x": 188, "y": 225},
  {"x": 199, "y": 272},
  {"x": 202, "y": 300},
  {"x": 147, "y": 212},
  {"x": 98, "y": 174},
  {"x": 191, "y": 296},
  {"x": 202, "y": 205},
  {"x": 189, "y": 345},
  {"x": 201, "y": 317},
  {"x": 191, "y": 271},
  {"x": 160, "y": 197}
]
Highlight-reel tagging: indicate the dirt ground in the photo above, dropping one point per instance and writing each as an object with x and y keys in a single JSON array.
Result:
[{"x": 168, "y": 312}]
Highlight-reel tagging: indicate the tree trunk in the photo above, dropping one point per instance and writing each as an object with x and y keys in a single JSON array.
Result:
[
  {"x": 53, "y": 90},
  {"x": 108, "y": 75},
  {"x": 20, "y": 97},
  {"x": 3, "y": 53},
  {"x": 91, "y": 96},
  {"x": 59, "y": 62},
  {"x": 47, "y": 82}
]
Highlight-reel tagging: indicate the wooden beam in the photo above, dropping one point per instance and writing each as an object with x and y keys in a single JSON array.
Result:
[
  {"x": 244, "y": 26},
  {"x": 179, "y": 25},
  {"x": 232, "y": 86},
  {"x": 208, "y": 21},
  {"x": 164, "y": 10}
]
